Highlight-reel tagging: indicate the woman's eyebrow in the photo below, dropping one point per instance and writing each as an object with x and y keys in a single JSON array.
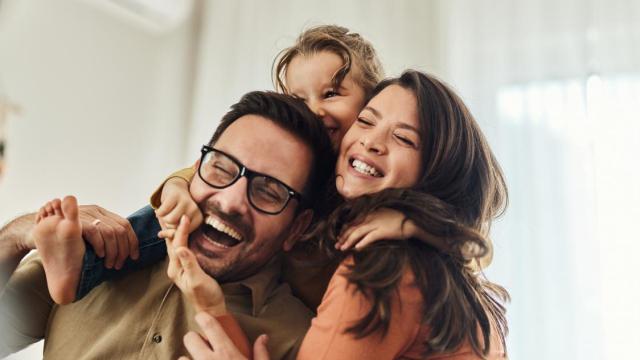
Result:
[
  {"x": 375, "y": 112},
  {"x": 403, "y": 125}
]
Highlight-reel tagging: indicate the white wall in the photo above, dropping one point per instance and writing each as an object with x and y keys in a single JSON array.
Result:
[
  {"x": 241, "y": 38},
  {"x": 104, "y": 97}
]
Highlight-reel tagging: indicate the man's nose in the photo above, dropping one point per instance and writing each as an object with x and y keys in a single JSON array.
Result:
[{"x": 233, "y": 200}]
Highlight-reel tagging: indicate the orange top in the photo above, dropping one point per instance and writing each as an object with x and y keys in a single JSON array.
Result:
[{"x": 342, "y": 306}]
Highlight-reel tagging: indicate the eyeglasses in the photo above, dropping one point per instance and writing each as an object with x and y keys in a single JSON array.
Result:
[{"x": 265, "y": 193}]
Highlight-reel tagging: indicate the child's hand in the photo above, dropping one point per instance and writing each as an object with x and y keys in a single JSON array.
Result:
[
  {"x": 382, "y": 224},
  {"x": 176, "y": 201},
  {"x": 201, "y": 289}
]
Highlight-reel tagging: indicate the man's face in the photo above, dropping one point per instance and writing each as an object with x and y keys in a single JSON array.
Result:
[{"x": 236, "y": 240}]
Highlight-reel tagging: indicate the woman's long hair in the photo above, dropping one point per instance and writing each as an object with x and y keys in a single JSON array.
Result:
[{"x": 460, "y": 190}]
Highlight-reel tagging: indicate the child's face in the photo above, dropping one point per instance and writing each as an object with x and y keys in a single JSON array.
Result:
[{"x": 311, "y": 79}]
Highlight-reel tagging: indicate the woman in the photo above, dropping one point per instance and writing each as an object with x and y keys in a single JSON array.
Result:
[{"x": 416, "y": 149}]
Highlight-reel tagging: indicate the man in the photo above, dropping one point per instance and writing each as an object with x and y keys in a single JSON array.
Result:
[{"x": 276, "y": 156}]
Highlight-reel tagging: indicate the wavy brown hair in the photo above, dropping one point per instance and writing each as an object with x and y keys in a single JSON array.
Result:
[
  {"x": 460, "y": 191},
  {"x": 356, "y": 53}
]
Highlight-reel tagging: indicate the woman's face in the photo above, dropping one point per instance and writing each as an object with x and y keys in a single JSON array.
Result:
[{"x": 382, "y": 148}]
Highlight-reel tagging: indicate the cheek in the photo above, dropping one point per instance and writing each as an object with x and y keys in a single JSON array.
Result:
[
  {"x": 197, "y": 190},
  {"x": 346, "y": 114},
  {"x": 407, "y": 170}
]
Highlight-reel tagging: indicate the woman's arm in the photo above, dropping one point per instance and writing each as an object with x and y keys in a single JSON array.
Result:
[{"x": 342, "y": 306}]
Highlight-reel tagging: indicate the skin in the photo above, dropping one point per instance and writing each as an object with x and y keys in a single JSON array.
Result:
[
  {"x": 310, "y": 77},
  {"x": 59, "y": 231},
  {"x": 262, "y": 146},
  {"x": 386, "y": 136}
]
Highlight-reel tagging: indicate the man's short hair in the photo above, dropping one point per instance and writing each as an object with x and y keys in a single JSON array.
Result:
[{"x": 294, "y": 116}]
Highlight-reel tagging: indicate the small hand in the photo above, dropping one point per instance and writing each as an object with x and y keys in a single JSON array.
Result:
[
  {"x": 200, "y": 288},
  {"x": 216, "y": 344},
  {"x": 176, "y": 201},
  {"x": 110, "y": 235},
  {"x": 382, "y": 224}
]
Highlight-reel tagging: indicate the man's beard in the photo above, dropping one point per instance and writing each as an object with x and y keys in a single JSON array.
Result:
[{"x": 224, "y": 267}]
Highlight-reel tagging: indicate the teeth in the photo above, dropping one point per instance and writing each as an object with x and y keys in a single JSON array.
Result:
[
  {"x": 364, "y": 168},
  {"x": 216, "y": 224}
]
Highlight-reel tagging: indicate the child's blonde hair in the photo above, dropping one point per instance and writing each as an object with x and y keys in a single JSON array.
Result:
[{"x": 355, "y": 52}]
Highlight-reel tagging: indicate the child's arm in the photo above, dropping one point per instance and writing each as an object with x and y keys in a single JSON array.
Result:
[
  {"x": 105, "y": 236},
  {"x": 389, "y": 224},
  {"x": 172, "y": 200},
  {"x": 141, "y": 225}
]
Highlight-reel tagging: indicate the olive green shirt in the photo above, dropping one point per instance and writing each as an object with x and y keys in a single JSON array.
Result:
[{"x": 141, "y": 316}]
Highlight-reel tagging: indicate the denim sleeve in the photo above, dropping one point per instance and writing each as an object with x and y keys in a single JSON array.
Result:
[{"x": 152, "y": 250}]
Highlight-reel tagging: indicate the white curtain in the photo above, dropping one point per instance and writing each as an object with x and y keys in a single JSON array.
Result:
[{"x": 556, "y": 86}]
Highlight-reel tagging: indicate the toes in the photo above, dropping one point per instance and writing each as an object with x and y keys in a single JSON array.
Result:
[
  {"x": 55, "y": 203},
  {"x": 70, "y": 208},
  {"x": 48, "y": 208}
]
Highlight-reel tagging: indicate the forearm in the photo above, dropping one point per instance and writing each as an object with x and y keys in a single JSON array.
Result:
[
  {"x": 14, "y": 245},
  {"x": 414, "y": 231}
]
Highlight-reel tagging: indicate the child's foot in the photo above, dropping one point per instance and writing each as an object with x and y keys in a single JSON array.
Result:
[{"x": 58, "y": 238}]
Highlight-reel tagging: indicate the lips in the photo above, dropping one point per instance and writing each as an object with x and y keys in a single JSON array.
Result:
[{"x": 220, "y": 233}]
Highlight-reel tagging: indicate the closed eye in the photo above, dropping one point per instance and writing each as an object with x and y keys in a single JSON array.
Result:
[
  {"x": 406, "y": 141},
  {"x": 330, "y": 94},
  {"x": 364, "y": 122}
]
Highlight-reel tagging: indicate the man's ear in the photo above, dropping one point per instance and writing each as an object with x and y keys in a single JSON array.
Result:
[
  {"x": 298, "y": 226},
  {"x": 196, "y": 165}
]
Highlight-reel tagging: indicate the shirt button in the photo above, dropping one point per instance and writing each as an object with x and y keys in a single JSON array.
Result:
[{"x": 157, "y": 338}]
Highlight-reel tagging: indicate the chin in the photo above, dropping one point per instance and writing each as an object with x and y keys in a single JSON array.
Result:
[{"x": 349, "y": 192}]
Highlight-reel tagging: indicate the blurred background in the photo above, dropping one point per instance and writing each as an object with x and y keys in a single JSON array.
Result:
[{"x": 104, "y": 98}]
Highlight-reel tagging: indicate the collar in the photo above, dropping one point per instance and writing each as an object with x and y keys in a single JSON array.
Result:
[{"x": 261, "y": 285}]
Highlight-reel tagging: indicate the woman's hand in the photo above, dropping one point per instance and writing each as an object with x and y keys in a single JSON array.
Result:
[
  {"x": 200, "y": 288},
  {"x": 385, "y": 224},
  {"x": 216, "y": 345},
  {"x": 176, "y": 201},
  {"x": 382, "y": 224}
]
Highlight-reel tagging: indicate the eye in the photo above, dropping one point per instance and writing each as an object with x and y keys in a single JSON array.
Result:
[
  {"x": 364, "y": 122},
  {"x": 331, "y": 93},
  {"x": 221, "y": 171},
  {"x": 406, "y": 141}
]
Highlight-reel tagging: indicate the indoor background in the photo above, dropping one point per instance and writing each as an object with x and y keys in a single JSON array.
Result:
[{"x": 104, "y": 98}]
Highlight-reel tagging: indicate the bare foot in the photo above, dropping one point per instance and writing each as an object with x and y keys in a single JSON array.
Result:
[{"x": 58, "y": 239}]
